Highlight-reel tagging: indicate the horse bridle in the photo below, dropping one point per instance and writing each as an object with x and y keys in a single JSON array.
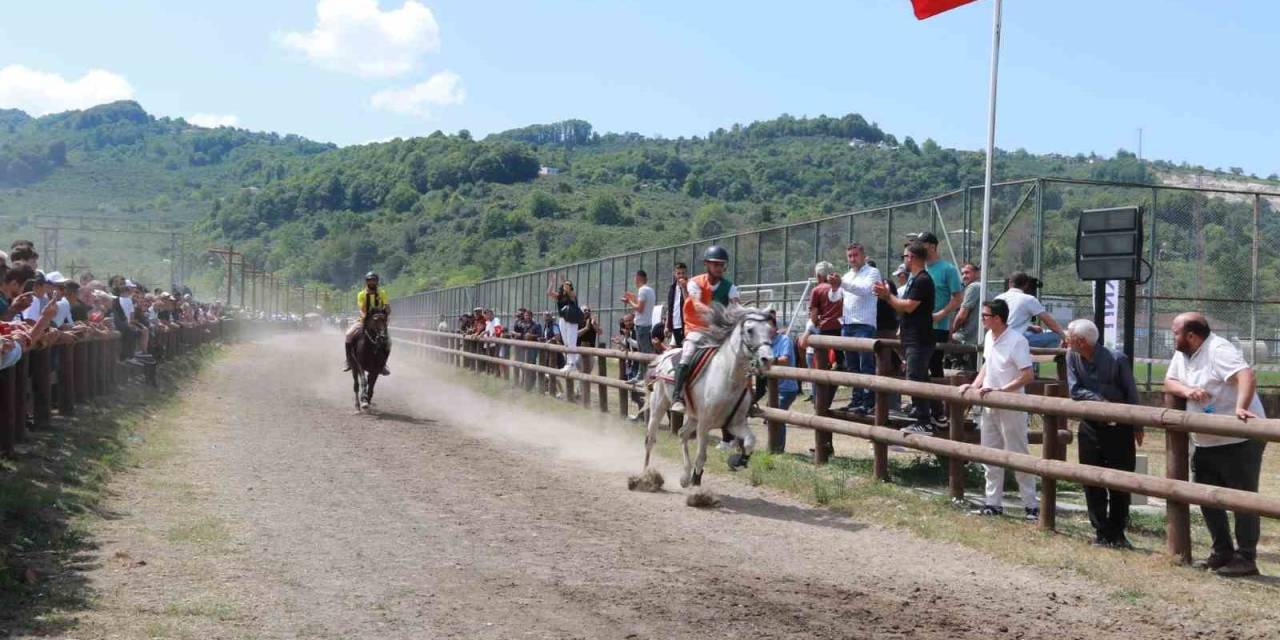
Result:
[
  {"x": 750, "y": 349},
  {"x": 376, "y": 338}
]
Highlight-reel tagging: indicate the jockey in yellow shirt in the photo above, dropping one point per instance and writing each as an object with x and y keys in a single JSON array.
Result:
[
  {"x": 701, "y": 290},
  {"x": 370, "y": 297}
]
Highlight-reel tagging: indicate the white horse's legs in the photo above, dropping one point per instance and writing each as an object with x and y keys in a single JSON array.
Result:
[
  {"x": 659, "y": 402},
  {"x": 696, "y": 477}
]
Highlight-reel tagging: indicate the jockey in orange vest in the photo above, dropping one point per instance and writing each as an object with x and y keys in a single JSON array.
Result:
[{"x": 703, "y": 290}]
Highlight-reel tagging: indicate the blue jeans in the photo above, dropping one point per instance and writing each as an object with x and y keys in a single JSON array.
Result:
[
  {"x": 785, "y": 398},
  {"x": 1043, "y": 339},
  {"x": 644, "y": 341},
  {"x": 860, "y": 362}
]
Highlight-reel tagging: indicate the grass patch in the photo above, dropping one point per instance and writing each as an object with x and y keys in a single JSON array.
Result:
[
  {"x": 203, "y": 607},
  {"x": 207, "y": 533},
  {"x": 57, "y": 483}
]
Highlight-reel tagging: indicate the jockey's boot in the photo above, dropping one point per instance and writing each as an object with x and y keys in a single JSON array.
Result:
[
  {"x": 385, "y": 370},
  {"x": 351, "y": 357},
  {"x": 677, "y": 392}
]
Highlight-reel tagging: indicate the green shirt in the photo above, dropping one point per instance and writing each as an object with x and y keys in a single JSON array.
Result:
[{"x": 946, "y": 283}]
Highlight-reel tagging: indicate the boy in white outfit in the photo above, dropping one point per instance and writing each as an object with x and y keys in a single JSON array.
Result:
[{"x": 1006, "y": 367}]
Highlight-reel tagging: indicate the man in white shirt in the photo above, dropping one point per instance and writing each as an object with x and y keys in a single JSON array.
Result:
[
  {"x": 1023, "y": 307},
  {"x": 63, "y": 315},
  {"x": 40, "y": 297},
  {"x": 1213, "y": 377},
  {"x": 641, "y": 304},
  {"x": 858, "y": 319},
  {"x": 1007, "y": 368}
]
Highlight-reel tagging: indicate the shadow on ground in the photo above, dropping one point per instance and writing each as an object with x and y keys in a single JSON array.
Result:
[{"x": 59, "y": 476}]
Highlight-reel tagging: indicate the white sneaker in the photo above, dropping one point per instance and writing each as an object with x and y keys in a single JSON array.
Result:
[
  {"x": 678, "y": 407},
  {"x": 724, "y": 446}
]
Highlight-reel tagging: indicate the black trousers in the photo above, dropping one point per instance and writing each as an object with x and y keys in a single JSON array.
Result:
[
  {"x": 917, "y": 358},
  {"x": 935, "y": 364},
  {"x": 678, "y": 334},
  {"x": 1235, "y": 466},
  {"x": 1110, "y": 446}
]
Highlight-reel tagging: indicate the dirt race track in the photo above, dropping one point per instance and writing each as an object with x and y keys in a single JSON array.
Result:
[{"x": 450, "y": 514}]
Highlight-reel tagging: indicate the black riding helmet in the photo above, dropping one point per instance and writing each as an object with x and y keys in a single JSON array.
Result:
[
  {"x": 371, "y": 276},
  {"x": 715, "y": 253}
]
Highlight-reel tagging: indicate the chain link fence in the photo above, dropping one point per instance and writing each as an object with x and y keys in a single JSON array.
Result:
[{"x": 1205, "y": 249}]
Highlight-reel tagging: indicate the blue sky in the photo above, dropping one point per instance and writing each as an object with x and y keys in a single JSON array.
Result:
[{"x": 1077, "y": 76}]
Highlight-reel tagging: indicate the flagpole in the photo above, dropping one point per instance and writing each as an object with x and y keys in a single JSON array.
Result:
[{"x": 991, "y": 152}]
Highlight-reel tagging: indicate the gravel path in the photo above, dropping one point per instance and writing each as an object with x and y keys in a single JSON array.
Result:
[{"x": 454, "y": 515}]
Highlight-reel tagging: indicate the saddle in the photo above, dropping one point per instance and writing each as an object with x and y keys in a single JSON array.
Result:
[{"x": 666, "y": 369}]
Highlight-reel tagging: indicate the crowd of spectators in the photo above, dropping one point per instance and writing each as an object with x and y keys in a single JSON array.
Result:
[
  {"x": 39, "y": 309},
  {"x": 927, "y": 300}
]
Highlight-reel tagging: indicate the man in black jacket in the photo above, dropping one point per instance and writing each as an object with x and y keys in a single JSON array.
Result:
[
  {"x": 673, "y": 315},
  {"x": 1095, "y": 373}
]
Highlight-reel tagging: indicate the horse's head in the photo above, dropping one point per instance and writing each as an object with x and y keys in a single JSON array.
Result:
[
  {"x": 375, "y": 323},
  {"x": 757, "y": 338}
]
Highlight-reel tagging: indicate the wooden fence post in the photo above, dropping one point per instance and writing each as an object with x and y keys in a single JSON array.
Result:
[
  {"x": 623, "y": 396},
  {"x": 955, "y": 466},
  {"x": 823, "y": 394},
  {"x": 1049, "y": 451},
  {"x": 41, "y": 387},
  {"x": 10, "y": 408},
  {"x": 603, "y": 391},
  {"x": 1177, "y": 446},
  {"x": 777, "y": 430},
  {"x": 880, "y": 450},
  {"x": 21, "y": 374},
  {"x": 67, "y": 379}
]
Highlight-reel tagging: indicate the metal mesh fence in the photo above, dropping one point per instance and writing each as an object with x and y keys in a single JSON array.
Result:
[{"x": 1206, "y": 248}]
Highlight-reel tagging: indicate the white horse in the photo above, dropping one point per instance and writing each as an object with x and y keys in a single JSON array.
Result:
[{"x": 720, "y": 396}]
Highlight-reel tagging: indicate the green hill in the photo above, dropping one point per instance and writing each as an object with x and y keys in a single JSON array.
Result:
[{"x": 449, "y": 209}]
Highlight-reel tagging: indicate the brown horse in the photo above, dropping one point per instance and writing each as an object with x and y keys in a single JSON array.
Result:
[{"x": 371, "y": 347}]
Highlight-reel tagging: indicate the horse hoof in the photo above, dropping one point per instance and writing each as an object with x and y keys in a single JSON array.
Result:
[
  {"x": 684, "y": 482},
  {"x": 736, "y": 461}
]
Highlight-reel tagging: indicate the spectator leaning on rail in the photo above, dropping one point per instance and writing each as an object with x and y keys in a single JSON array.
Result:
[
  {"x": 1213, "y": 377},
  {"x": 966, "y": 326},
  {"x": 858, "y": 315},
  {"x": 1007, "y": 368},
  {"x": 1096, "y": 373},
  {"x": 1024, "y": 307},
  {"x": 674, "y": 311},
  {"x": 702, "y": 291},
  {"x": 914, "y": 302},
  {"x": 947, "y": 298},
  {"x": 641, "y": 304}
]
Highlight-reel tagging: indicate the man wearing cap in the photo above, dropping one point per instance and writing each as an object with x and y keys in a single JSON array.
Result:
[
  {"x": 702, "y": 291},
  {"x": 59, "y": 283},
  {"x": 948, "y": 292},
  {"x": 370, "y": 297}
]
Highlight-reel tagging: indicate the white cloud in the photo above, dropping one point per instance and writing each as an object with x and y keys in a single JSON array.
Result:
[
  {"x": 357, "y": 36},
  {"x": 39, "y": 92},
  {"x": 441, "y": 89},
  {"x": 213, "y": 120}
]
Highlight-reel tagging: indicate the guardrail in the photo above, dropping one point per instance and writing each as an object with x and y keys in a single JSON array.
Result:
[
  {"x": 476, "y": 354},
  {"x": 62, "y": 376}
]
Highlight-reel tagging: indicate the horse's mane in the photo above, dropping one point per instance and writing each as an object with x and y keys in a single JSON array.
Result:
[{"x": 722, "y": 320}]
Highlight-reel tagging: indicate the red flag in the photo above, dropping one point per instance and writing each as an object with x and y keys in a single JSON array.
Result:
[{"x": 929, "y": 8}]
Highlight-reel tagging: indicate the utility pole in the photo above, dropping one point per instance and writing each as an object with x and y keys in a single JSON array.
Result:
[
  {"x": 229, "y": 254},
  {"x": 1139, "y": 144}
]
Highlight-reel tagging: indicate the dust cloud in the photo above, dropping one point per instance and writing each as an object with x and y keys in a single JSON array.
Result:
[{"x": 486, "y": 408}]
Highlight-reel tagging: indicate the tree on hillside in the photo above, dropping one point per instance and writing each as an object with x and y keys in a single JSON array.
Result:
[{"x": 604, "y": 210}]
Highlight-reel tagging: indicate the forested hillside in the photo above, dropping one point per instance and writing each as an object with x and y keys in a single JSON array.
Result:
[{"x": 449, "y": 209}]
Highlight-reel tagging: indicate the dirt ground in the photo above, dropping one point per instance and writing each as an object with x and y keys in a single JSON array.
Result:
[{"x": 270, "y": 510}]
